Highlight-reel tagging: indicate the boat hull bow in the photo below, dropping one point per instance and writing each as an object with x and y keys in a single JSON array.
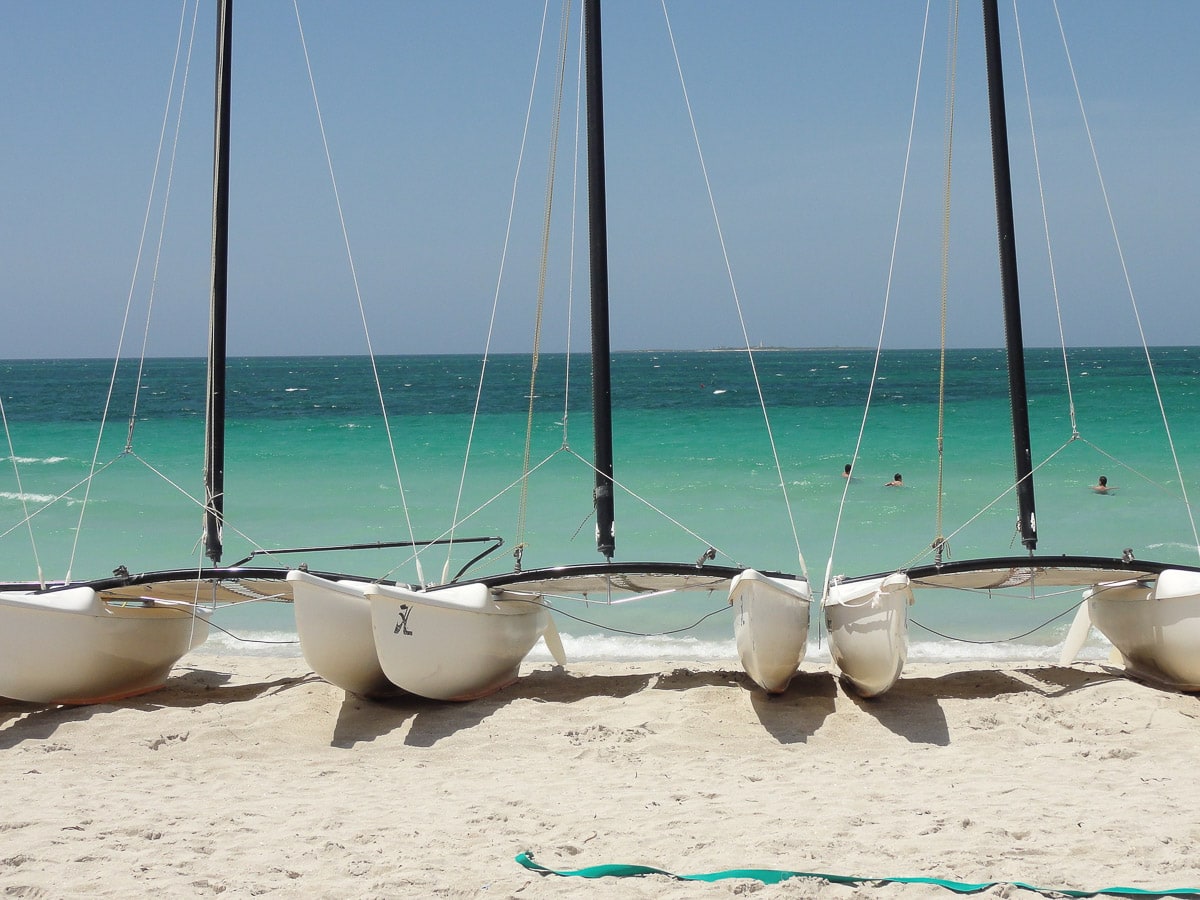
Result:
[
  {"x": 73, "y": 647},
  {"x": 770, "y": 627},
  {"x": 868, "y": 631},
  {"x": 1154, "y": 626},
  {"x": 460, "y": 642},
  {"x": 333, "y": 622}
]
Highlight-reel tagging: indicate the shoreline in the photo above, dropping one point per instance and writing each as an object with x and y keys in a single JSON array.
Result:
[
  {"x": 605, "y": 649},
  {"x": 249, "y": 776}
]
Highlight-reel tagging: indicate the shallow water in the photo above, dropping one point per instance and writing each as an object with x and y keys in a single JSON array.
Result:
[{"x": 308, "y": 464}]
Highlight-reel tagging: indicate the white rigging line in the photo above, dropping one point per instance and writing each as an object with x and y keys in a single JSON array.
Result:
[
  {"x": 574, "y": 212},
  {"x": 515, "y": 483},
  {"x": 136, "y": 268},
  {"x": 162, "y": 230},
  {"x": 1037, "y": 165},
  {"x": 939, "y": 541},
  {"x": 733, "y": 287},
  {"x": 56, "y": 499},
  {"x": 887, "y": 295},
  {"x": 1112, "y": 222},
  {"x": 449, "y": 532},
  {"x": 661, "y": 512},
  {"x": 12, "y": 454},
  {"x": 496, "y": 295},
  {"x": 357, "y": 291}
]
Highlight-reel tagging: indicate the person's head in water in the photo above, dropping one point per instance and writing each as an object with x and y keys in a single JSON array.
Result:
[
  {"x": 846, "y": 472},
  {"x": 897, "y": 481}
]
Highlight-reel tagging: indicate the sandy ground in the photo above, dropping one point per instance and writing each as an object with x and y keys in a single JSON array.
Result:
[{"x": 250, "y": 776}]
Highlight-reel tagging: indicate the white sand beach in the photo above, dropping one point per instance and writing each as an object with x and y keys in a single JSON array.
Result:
[{"x": 252, "y": 777}]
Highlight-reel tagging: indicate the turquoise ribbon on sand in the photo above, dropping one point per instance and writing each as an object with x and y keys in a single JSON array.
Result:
[{"x": 774, "y": 876}]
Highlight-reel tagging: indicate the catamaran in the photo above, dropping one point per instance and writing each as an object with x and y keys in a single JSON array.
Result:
[
  {"x": 93, "y": 641},
  {"x": 114, "y": 638},
  {"x": 463, "y": 639},
  {"x": 1150, "y": 611}
]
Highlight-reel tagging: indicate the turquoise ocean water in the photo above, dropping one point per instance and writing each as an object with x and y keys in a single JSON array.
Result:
[{"x": 308, "y": 464}]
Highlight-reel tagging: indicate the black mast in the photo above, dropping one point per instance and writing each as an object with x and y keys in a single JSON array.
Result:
[
  {"x": 214, "y": 421},
  {"x": 1026, "y": 518},
  {"x": 598, "y": 231}
]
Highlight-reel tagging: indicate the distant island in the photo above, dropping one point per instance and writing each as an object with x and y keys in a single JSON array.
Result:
[{"x": 758, "y": 349}]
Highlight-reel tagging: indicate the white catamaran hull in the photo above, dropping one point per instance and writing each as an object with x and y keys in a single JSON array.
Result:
[
  {"x": 1155, "y": 628},
  {"x": 770, "y": 627},
  {"x": 333, "y": 621},
  {"x": 71, "y": 646},
  {"x": 868, "y": 631},
  {"x": 453, "y": 643}
]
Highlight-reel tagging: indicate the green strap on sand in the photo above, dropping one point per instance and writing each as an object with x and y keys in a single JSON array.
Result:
[{"x": 774, "y": 876}]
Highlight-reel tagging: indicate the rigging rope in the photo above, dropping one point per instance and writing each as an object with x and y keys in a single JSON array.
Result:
[
  {"x": 574, "y": 214},
  {"x": 541, "y": 598},
  {"x": 357, "y": 291},
  {"x": 887, "y": 296},
  {"x": 12, "y": 455},
  {"x": 512, "y": 204},
  {"x": 543, "y": 265},
  {"x": 636, "y": 496},
  {"x": 951, "y": 84},
  {"x": 136, "y": 268},
  {"x": 162, "y": 230},
  {"x": 54, "y": 500},
  {"x": 733, "y": 287},
  {"x": 458, "y": 519},
  {"x": 1016, "y": 637},
  {"x": 1037, "y": 166},
  {"x": 1128, "y": 284},
  {"x": 447, "y": 536},
  {"x": 1008, "y": 490},
  {"x": 1070, "y": 395}
]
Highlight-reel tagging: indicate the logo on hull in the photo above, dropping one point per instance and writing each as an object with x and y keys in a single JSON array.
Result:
[{"x": 402, "y": 625}]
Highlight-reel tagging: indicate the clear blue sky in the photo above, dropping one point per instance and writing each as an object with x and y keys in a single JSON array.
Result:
[{"x": 802, "y": 109}]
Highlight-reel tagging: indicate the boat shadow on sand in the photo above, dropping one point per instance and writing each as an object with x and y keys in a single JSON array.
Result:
[
  {"x": 20, "y": 722},
  {"x": 913, "y": 709},
  {"x": 362, "y": 720}
]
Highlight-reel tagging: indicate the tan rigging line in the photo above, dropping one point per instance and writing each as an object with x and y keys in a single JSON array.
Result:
[
  {"x": 939, "y": 542},
  {"x": 887, "y": 296},
  {"x": 551, "y": 170}
]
